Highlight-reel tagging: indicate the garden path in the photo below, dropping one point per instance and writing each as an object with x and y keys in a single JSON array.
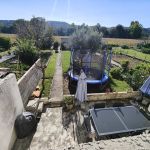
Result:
[{"x": 51, "y": 133}]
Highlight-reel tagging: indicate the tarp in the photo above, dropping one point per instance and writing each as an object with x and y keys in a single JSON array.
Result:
[
  {"x": 81, "y": 92},
  {"x": 145, "y": 89}
]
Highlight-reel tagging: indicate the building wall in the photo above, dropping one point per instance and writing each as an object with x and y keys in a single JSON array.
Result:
[{"x": 10, "y": 107}]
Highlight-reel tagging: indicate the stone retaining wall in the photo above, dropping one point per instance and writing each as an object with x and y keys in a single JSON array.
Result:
[
  {"x": 28, "y": 82},
  {"x": 95, "y": 97}
]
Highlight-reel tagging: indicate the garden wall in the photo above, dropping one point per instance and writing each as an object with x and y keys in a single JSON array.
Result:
[
  {"x": 28, "y": 82},
  {"x": 97, "y": 97},
  {"x": 10, "y": 107}
]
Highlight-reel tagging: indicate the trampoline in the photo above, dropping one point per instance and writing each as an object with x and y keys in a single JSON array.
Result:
[{"x": 96, "y": 65}]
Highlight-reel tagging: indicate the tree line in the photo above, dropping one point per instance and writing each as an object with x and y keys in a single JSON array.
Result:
[{"x": 135, "y": 30}]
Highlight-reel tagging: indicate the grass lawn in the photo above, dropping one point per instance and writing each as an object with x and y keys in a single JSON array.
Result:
[
  {"x": 118, "y": 86},
  {"x": 65, "y": 61},
  {"x": 49, "y": 73},
  {"x": 6, "y": 52},
  {"x": 133, "y": 53}
]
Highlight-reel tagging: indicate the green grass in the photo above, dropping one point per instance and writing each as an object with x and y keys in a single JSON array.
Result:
[
  {"x": 49, "y": 73},
  {"x": 133, "y": 53},
  {"x": 119, "y": 86},
  {"x": 65, "y": 61},
  {"x": 6, "y": 52}
]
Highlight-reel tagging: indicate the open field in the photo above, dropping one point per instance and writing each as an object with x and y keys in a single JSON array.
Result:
[
  {"x": 118, "y": 41},
  {"x": 11, "y": 36},
  {"x": 132, "y": 53},
  {"x": 115, "y": 41}
]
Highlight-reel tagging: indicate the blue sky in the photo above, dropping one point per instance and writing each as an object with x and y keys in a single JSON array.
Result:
[{"x": 106, "y": 12}]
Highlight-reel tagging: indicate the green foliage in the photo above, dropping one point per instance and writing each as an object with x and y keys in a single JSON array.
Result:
[
  {"x": 26, "y": 51},
  {"x": 138, "y": 75},
  {"x": 135, "y": 29},
  {"x": 5, "y": 43},
  {"x": 124, "y": 47},
  {"x": 55, "y": 46},
  {"x": 68, "y": 100},
  {"x": 86, "y": 38},
  {"x": 116, "y": 73},
  {"x": 35, "y": 29},
  {"x": 125, "y": 65}
]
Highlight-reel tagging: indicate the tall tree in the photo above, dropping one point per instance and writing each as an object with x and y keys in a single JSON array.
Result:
[
  {"x": 36, "y": 29},
  {"x": 135, "y": 29}
]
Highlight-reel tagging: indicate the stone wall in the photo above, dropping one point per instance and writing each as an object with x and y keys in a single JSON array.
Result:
[
  {"x": 28, "y": 82},
  {"x": 97, "y": 97},
  {"x": 10, "y": 107}
]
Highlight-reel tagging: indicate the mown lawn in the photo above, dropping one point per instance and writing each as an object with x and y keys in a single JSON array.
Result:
[
  {"x": 49, "y": 73},
  {"x": 65, "y": 61},
  {"x": 133, "y": 53},
  {"x": 119, "y": 86}
]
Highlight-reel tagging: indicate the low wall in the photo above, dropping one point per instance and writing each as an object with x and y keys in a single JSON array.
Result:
[
  {"x": 94, "y": 97},
  {"x": 28, "y": 82},
  {"x": 10, "y": 107}
]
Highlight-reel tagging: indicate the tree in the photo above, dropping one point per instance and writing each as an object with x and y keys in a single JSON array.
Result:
[
  {"x": 86, "y": 38},
  {"x": 135, "y": 29},
  {"x": 37, "y": 30},
  {"x": 26, "y": 51},
  {"x": 5, "y": 43},
  {"x": 120, "y": 31}
]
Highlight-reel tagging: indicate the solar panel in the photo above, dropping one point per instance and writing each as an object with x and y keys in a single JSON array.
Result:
[{"x": 118, "y": 120}]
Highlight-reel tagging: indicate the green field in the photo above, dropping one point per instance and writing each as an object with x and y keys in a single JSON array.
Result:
[
  {"x": 132, "y": 53},
  {"x": 49, "y": 73},
  {"x": 11, "y": 36}
]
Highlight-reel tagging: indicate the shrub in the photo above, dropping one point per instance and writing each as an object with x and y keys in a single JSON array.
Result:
[
  {"x": 26, "y": 51},
  {"x": 124, "y": 47},
  {"x": 145, "y": 50},
  {"x": 55, "y": 46},
  {"x": 125, "y": 65},
  {"x": 138, "y": 75},
  {"x": 5, "y": 43},
  {"x": 116, "y": 73}
]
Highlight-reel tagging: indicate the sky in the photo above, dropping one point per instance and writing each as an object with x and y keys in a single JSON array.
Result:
[{"x": 106, "y": 12}]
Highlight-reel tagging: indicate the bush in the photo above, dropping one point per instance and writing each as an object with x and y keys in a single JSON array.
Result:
[
  {"x": 145, "y": 50},
  {"x": 56, "y": 44},
  {"x": 26, "y": 51},
  {"x": 138, "y": 75},
  {"x": 124, "y": 47},
  {"x": 125, "y": 65},
  {"x": 5, "y": 43},
  {"x": 116, "y": 73}
]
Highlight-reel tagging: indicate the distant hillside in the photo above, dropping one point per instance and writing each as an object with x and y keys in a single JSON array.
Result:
[
  {"x": 54, "y": 24},
  {"x": 6, "y": 23},
  {"x": 58, "y": 24}
]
